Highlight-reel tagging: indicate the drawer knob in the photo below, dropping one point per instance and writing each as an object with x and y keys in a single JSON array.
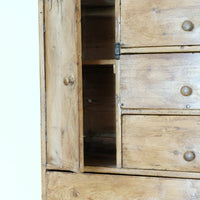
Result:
[
  {"x": 186, "y": 91},
  {"x": 187, "y": 25},
  {"x": 69, "y": 80},
  {"x": 189, "y": 156}
]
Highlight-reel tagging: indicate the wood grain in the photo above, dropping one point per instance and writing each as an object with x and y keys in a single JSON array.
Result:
[
  {"x": 118, "y": 116},
  {"x": 142, "y": 172},
  {"x": 166, "y": 49},
  {"x": 66, "y": 186},
  {"x": 159, "y": 23},
  {"x": 159, "y": 112},
  {"x": 98, "y": 35},
  {"x": 64, "y": 103},
  {"x": 159, "y": 142},
  {"x": 154, "y": 81},
  {"x": 42, "y": 98}
]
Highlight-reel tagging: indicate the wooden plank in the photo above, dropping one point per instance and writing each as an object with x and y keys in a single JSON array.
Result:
[
  {"x": 159, "y": 23},
  {"x": 174, "y": 49},
  {"x": 142, "y": 172},
  {"x": 118, "y": 116},
  {"x": 67, "y": 186},
  {"x": 42, "y": 97},
  {"x": 159, "y": 112},
  {"x": 160, "y": 142},
  {"x": 138, "y": 172},
  {"x": 93, "y": 3},
  {"x": 80, "y": 84},
  {"x": 99, "y": 62},
  {"x": 155, "y": 81},
  {"x": 64, "y": 102},
  {"x": 98, "y": 36},
  {"x": 117, "y": 20}
]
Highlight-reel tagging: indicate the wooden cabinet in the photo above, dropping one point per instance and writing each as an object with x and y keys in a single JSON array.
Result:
[{"x": 120, "y": 99}]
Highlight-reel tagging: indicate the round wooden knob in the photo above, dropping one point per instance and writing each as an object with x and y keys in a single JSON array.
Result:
[
  {"x": 186, "y": 91},
  {"x": 189, "y": 156},
  {"x": 187, "y": 25},
  {"x": 69, "y": 80}
]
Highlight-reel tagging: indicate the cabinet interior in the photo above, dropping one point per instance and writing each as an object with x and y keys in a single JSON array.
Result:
[{"x": 98, "y": 38}]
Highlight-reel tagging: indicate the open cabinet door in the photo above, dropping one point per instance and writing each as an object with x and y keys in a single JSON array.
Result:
[{"x": 63, "y": 84}]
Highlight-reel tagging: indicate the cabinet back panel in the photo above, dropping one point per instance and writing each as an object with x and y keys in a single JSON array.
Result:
[{"x": 98, "y": 34}]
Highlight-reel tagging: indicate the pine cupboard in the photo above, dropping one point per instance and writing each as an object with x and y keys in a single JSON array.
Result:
[{"x": 120, "y": 93}]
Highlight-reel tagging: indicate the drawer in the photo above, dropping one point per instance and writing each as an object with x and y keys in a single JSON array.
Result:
[
  {"x": 68, "y": 186},
  {"x": 161, "y": 142},
  {"x": 161, "y": 81},
  {"x": 160, "y": 22}
]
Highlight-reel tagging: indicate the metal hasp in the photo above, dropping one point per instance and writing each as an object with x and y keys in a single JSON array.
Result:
[{"x": 117, "y": 51}]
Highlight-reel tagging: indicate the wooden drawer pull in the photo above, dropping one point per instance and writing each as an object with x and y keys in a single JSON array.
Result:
[
  {"x": 189, "y": 156},
  {"x": 186, "y": 91},
  {"x": 69, "y": 80},
  {"x": 187, "y": 25}
]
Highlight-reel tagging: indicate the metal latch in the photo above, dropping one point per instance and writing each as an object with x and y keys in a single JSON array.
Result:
[{"x": 117, "y": 51}]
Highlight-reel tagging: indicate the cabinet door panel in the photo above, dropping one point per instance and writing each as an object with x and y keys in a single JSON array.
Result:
[{"x": 64, "y": 98}]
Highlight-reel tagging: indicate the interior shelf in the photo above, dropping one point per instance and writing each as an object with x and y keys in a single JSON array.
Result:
[
  {"x": 99, "y": 62},
  {"x": 98, "y": 2}
]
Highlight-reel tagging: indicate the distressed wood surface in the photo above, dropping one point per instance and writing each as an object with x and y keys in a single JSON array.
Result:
[
  {"x": 142, "y": 172},
  {"x": 155, "y": 80},
  {"x": 160, "y": 142},
  {"x": 159, "y": 23},
  {"x": 64, "y": 103},
  {"x": 42, "y": 98},
  {"x": 118, "y": 116},
  {"x": 66, "y": 186},
  {"x": 159, "y": 112},
  {"x": 166, "y": 49}
]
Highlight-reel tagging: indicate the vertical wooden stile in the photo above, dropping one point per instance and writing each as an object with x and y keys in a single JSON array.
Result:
[
  {"x": 118, "y": 110},
  {"x": 64, "y": 98}
]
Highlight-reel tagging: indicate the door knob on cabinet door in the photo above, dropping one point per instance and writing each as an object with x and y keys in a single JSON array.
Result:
[
  {"x": 187, "y": 25},
  {"x": 69, "y": 80},
  {"x": 186, "y": 91},
  {"x": 189, "y": 156}
]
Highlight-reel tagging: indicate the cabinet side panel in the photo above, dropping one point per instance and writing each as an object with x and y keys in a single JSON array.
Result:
[
  {"x": 42, "y": 97},
  {"x": 64, "y": 104}
]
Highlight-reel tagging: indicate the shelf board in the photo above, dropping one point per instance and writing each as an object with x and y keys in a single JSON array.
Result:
[{"x": 99, "y": 62}]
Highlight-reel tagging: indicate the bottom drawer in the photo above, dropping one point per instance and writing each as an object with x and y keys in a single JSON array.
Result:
[
  {"x": 69, "y": 186},
  {"x": 161, "y": 142}
]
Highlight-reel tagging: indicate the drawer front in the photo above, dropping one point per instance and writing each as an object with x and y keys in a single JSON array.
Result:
[
  {"x": 161, "y": 142},
  {"x": 160, "y": 81},
  {"x": 160, "y": 22},
  {"x": 68, "y": 186}
]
